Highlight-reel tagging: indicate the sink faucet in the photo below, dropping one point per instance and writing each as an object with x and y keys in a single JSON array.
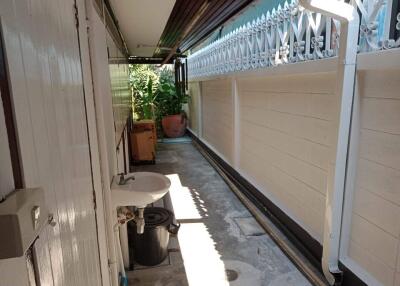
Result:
[{"x": 123, "y": 180}]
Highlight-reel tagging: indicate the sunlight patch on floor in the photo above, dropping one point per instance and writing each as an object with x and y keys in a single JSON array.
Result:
[
  {"x": 182, "y": 200},
  {"x": 202, "y": 261}
]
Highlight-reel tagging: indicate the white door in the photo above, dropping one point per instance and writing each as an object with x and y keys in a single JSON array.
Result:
[{"x": 46, "y": 90}]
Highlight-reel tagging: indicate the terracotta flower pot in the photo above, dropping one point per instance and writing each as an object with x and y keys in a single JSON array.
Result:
[{"x": 174, "y": 125}]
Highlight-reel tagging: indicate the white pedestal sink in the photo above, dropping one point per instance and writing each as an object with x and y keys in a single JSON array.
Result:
[{"x": 146, "y": 188}]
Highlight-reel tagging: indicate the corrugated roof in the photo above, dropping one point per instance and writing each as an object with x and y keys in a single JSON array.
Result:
[
  {"x": 216, "y": 13},
  {"x": 250, "y": 13}
]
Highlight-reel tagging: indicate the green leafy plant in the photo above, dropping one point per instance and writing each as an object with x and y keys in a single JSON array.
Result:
[
  {"x": 169, "y": 101},
  {"x": 147, "y": 100},
  {"x": 144, "y": 83},
  {"x": 154, "y": 93}
]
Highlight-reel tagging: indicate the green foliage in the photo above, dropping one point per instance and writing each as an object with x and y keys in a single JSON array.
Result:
[
  {"x": 154, "y": 92},
  {"x": 144, "y": 83},
  {"x": 169, "y": 101}
]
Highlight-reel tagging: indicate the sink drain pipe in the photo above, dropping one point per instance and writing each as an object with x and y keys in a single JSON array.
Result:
[{"x": 346, "y": 73}]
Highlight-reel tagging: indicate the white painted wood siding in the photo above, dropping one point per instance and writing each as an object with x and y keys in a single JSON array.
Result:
[
  {"x": 217, "y": 116},
  {"x": 102, "y": 88},
  {"x": 373, "y": 241},
  {"x": 42, "y": 50},
  {"x": 120, "y": 90},
  {"x": 287, "y": 133}
]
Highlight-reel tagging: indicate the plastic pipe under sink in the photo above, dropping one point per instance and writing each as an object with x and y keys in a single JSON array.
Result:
[{"x": 123, "y": 235}]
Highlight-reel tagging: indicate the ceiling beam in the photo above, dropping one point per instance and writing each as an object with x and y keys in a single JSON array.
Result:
[{"x": 152, "y": 60}]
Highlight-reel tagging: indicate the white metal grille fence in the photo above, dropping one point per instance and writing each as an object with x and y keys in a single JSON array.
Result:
[{"x": 291, "y": 34}]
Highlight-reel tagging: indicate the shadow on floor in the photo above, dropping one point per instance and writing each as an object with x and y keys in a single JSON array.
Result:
[{"x": 218, "y": 240}]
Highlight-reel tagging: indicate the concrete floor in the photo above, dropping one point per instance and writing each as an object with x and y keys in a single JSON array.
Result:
[{"x": 218, "y": 235}]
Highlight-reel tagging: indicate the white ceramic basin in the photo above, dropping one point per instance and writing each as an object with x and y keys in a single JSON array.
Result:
[{"x": 145, "y": 189}]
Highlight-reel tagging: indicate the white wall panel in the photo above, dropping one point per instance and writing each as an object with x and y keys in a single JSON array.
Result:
[
  {"x": 217, "y": 116},
  {"x": 194, "y": 107},
  {"x": 286, "y": 139},
  {"x": 46, "y": 84},
  {"x": 287, "y": 133},
  {"x": 372, "y": 238}
]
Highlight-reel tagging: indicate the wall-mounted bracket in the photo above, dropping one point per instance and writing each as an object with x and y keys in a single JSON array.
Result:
[{"x": 23, "y": 214}]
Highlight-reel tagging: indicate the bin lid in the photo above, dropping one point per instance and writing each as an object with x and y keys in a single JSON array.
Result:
[{"x": 157, "y": 216}]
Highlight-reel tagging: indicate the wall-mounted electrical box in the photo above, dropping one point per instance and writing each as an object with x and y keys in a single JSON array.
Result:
[{"x": 22, "y": 216}]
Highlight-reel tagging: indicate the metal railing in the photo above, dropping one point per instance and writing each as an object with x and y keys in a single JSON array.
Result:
[{"x": 292, "y": 34}]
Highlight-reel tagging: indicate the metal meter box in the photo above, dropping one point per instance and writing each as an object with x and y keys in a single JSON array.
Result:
[{"x": 22, "y": 216}]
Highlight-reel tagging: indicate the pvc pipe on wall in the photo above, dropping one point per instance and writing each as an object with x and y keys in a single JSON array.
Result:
[
  {"x": 349, "y": 19},
  {"x": 124, "y": 280},
  {"x": 123, "y": 235}
]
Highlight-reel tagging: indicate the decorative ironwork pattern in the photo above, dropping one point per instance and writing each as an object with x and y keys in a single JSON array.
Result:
[
  {"x": 291, "y": 34},
  {"x": 375, "y": 25}
]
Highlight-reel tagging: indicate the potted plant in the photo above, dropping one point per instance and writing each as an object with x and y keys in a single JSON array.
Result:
[
  {"x": 143, "y": 135},
  {"x": 169, "y": 102}
]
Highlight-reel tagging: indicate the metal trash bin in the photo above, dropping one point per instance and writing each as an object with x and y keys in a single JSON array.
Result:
[{"x": 151, "y": 247}]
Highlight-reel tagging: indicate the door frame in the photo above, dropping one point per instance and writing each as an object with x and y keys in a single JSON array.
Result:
[{"x": 86, "y": 67}]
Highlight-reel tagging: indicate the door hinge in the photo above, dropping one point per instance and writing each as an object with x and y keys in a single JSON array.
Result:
[{"x": 76, "y": 15}]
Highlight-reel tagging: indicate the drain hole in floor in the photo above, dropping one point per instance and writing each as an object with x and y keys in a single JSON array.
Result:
[{"x": 231, "y": 275}]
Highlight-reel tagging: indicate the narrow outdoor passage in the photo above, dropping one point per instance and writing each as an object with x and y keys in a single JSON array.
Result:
[{"x": 218, "y": 237}]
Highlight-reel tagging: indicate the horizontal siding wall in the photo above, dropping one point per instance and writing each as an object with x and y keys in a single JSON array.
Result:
[
  {"x": 194, "y": 107},
  {"x": 286, "y": 136},
  {"x": 375, "y": 217},
  {"x": 287, "y": 133},
  {"x": 217, "y": 116},
  {"x": 283, "y": 129}
]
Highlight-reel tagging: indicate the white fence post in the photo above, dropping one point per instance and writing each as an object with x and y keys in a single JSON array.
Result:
[{"x": 236, "y": 124}]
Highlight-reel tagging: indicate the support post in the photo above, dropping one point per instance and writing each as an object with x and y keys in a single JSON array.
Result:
[
  {"x": 349, "y": 28},
  {"x": 200, "y": 111},
  {"x": 236, "y": 125}
]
